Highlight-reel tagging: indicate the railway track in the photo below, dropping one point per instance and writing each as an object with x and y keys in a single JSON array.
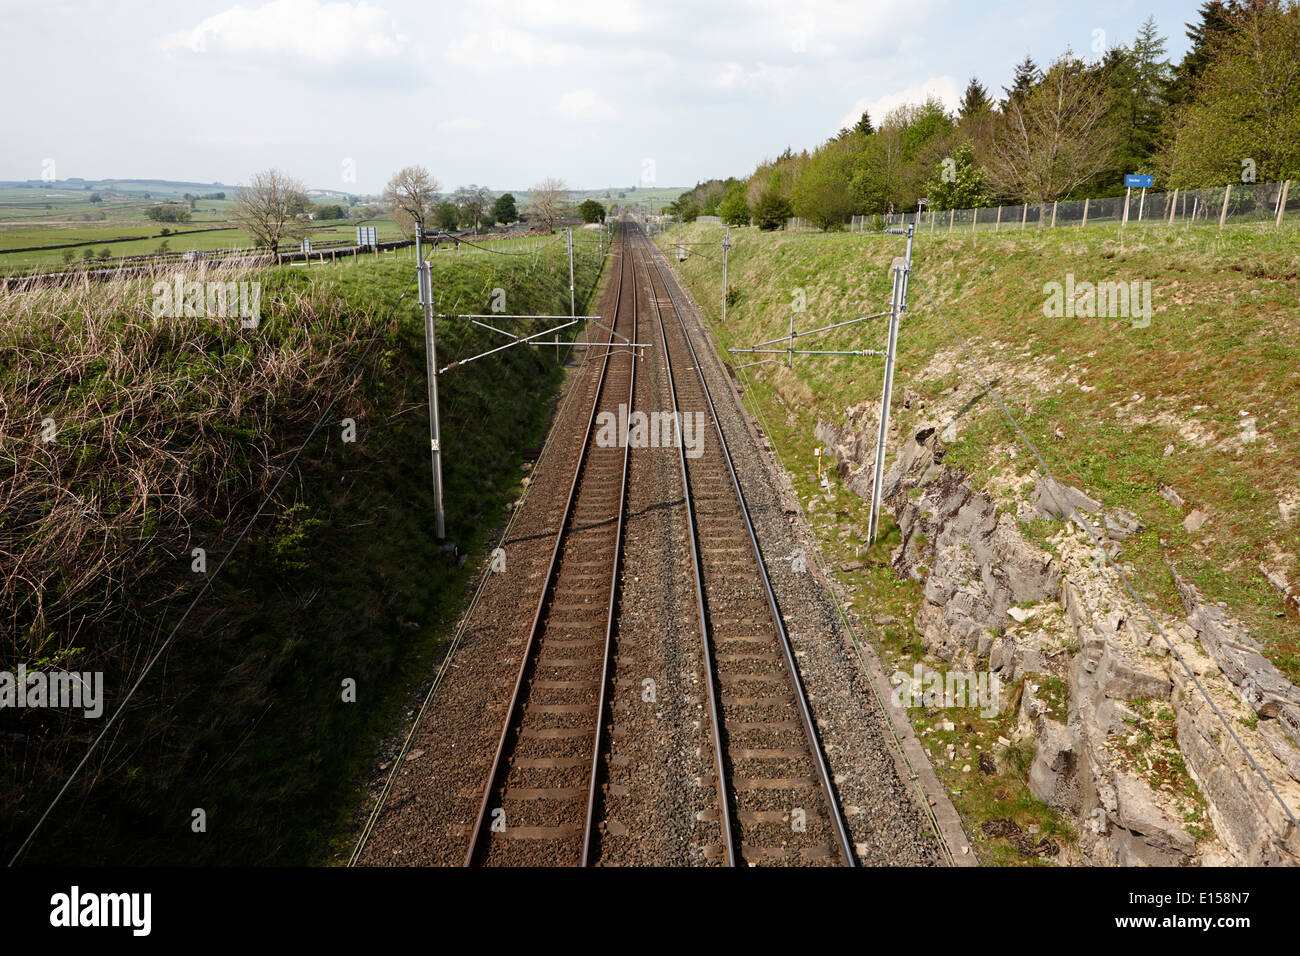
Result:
[
  {"x": 773, "y": 797},
  {"x": 776, "y": 798},
  {"x": 539, "y": 799}
]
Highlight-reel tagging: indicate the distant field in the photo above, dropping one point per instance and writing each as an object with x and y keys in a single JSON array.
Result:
[
  {"x": 35, "y": 218},
  {"x": 656, "y": 196},
  {"x": 60, "y": 217}
]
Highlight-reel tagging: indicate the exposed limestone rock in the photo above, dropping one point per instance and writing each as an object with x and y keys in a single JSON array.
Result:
[
  {"x": 1245, "y": 814},
  {"x": 1054, "y": 774},
  {"x": 1261, "y": 685},
  {"x": 1172, "y": 496},
  {"x": 977, "y": 568},
  {"x": 1144, "y": 835},
  {"x": 1053, "y": 499}
]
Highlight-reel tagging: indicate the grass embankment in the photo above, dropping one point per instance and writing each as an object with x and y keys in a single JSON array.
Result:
[
  {"x": 168, "y": 436},
  {"x": 1203, "y": 400}
]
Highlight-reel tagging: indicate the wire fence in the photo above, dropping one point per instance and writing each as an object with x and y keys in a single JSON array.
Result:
[{"x": 1265, "y": 203}]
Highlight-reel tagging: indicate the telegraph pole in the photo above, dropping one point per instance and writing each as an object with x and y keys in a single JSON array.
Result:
[
  {"x": 572, "y": 307},
  {"x": 431, "y": 358},
  {"x": 902, "y": 269}
]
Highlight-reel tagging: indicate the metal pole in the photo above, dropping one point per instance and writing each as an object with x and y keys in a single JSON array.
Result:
[
  {"x": 896, "y": 309},
  {"x": 726, "y": 245},
  {"x": 789, "y": 348},
  {"x": 431, "y": 357},
  {"x": 572, "y": 308}
]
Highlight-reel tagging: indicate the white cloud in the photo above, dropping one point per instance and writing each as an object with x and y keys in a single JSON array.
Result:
[
  {"x": 735, "y": 77},
  {"x": 302, "y": 31},
  {"x": 496, "y": 46},
  {"x": 730, "y": 77},
  {"x": 586, "y": 106},
  {"x": 460, "y": 124},
  {"x": 618, "y": 17},
  {"x": 945, "y": 88}
]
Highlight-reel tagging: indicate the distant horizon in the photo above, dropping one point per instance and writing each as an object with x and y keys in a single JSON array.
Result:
[{"x": 144, "y": 181}]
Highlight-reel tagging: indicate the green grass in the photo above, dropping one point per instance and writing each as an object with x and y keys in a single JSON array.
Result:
[
  {"x": 1223, "y": 339},
  {"x": 340, "y": 579}
]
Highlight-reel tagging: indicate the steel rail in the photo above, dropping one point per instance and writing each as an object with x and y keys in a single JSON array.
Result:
[
  {"x": 715, "y": 721},
  {"x": 588, "y": 844},
  {"x": 810, "y": 727},
  {"x": 476, "y": 841}
]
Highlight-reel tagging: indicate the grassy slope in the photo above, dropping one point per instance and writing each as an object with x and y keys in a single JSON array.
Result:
[
  {"x": 1222, "y": 341},
  {"x": 341, "y": 579}
]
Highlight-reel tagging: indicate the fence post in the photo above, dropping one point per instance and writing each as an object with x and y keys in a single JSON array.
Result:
[
  {"x": 1024, "y": 216},
  {"x": 1173, "y": 206},
  {"x": 951, "y": 213},
  {"x": 1054, "y": 202},
  {"x": 998, "y": 224},
  {"x": 974, "y": 219},
  {"x": 1085, "y": 214},
  {"x": 1223, "y": 213},
  {"x": 1128, "y": 194},
  {"x": 1281, "y": 203}
]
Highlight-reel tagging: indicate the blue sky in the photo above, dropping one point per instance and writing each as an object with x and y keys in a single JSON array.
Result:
[{"x": 503, "y": 92}]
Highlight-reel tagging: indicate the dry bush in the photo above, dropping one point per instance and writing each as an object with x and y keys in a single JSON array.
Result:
[{"x": 162, "y": 436}]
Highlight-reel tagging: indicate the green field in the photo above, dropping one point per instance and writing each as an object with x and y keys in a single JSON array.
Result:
[
  {"x": 40, "y": 227},
  {"x": 34, "y": 219}
]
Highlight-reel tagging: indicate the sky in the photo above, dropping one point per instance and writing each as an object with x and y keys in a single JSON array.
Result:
[{"x": 499, "y": 93}]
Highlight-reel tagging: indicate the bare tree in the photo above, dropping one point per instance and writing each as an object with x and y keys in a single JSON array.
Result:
[
  {"x": 473, "y": 202},
  {"x": 411, "y": 196},
  {"x": 549, "y": 201},
  {"x": 1056, "y": 137},
  {"x": 272, "y": 208}
]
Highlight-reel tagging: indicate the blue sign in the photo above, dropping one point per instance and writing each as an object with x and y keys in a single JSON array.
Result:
[{"x": 1136, "y": 181}]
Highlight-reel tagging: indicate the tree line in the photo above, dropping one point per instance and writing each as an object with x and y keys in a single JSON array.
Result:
[
  {"x": 1228, "y": 111},
  {"x": 274, "y": 208}
]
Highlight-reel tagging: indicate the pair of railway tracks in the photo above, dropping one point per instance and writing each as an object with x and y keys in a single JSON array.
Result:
[{"x": 541, "y": 802}]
